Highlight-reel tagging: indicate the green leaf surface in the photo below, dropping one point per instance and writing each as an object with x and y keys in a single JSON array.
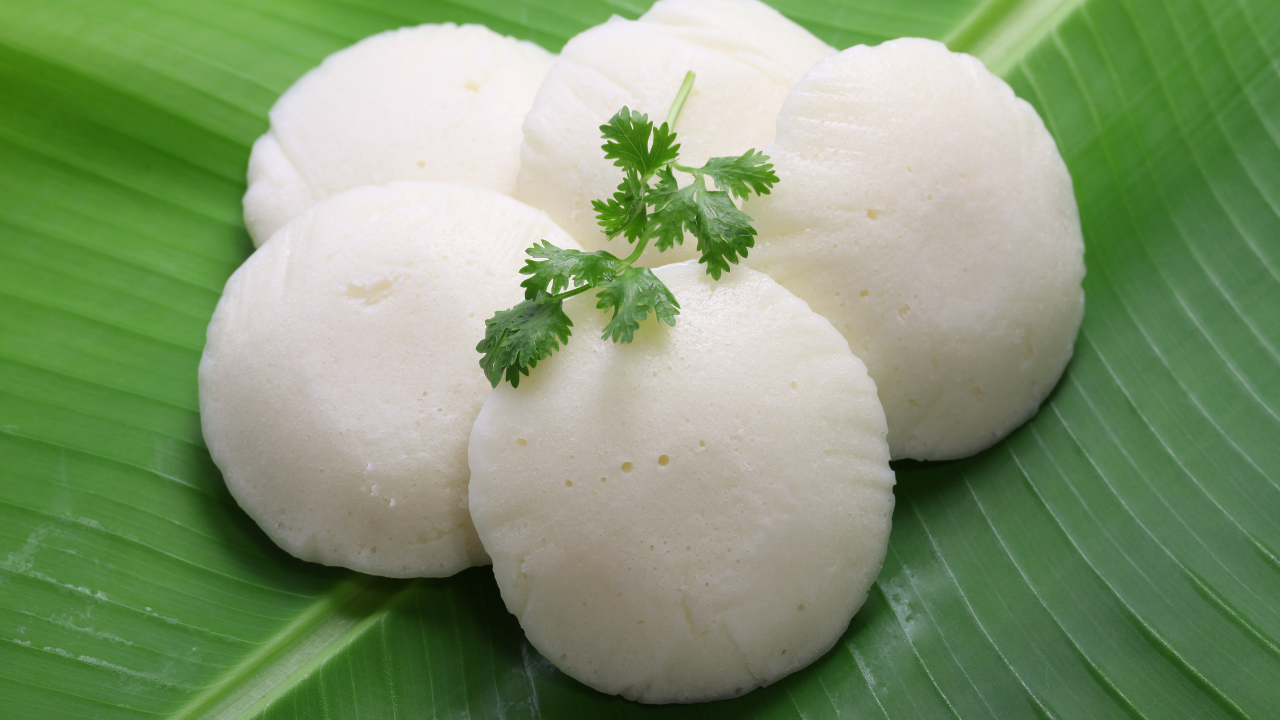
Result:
[
  {"x": 634, "y": 144},
  {"x": 750, "y": 172},
  {"x": 552, "y": 270},
  {"x": 1114, "y": 558},
  {"x": 632, "y": 296},
  {"x": 516, "y": 340},
  {"x": 723, "y": 232},
  {"x": 626, "y": 212}
]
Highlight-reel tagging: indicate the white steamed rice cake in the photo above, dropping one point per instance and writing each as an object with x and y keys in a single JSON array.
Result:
[
  {"x": 340, "y": 378},
  {"x": 925, "y": 211},
  {"x": 695, "y": 514}
]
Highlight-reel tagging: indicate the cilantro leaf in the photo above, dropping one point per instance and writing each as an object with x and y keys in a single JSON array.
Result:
[
  {"x": 562, "y": 269},
  {"x": 742, "y": 175},
  {"x": 671, "y": 206},
  {"x": 664, "y": 150},
  {"x": 627, "y": 143},
  {"x": 626, "y": 212},
  {"x": 723, "y": 231},
  {"x": 516, "y": 339},
  {"x": 634, "y": 294}
]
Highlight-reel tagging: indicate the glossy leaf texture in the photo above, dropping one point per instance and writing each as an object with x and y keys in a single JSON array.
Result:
[{"x": 1114, "y": 558}]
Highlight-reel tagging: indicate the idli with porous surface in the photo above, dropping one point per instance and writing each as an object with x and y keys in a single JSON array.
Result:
[
  {"x": 694, "y": 514},
  {"x": 925, "y": 211},
  {"x": 746, "y": 56},
  {"x": 440, "y": 103},
  {"x": 340, "y": 379}
]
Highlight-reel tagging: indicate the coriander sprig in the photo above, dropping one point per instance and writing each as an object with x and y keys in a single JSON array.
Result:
[{"x": 516, "y": 339}]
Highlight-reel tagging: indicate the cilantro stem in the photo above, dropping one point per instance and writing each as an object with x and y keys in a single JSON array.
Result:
[
  {"x": 566, "y": 294},
  {"x": 678, "y": 104},
  {"x": 672, "y": 115},
  {"x": 635, "y": 255}
]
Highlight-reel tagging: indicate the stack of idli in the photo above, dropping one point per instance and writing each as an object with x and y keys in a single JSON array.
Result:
[{"x": 701, "y": 511}]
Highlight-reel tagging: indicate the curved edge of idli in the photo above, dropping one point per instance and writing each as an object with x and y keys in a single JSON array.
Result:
[
  {"x": 276, "y": 193},
  {"x": 742, "y": 23},
  {"x": 933, "y": 437}
]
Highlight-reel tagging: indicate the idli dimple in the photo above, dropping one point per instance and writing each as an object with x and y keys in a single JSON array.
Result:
[
  {"x": 746, "y": 56},
  {"x": 431, "y": 103},
  {"x": 925, "y": 211},
  {"x": 339, "y": 381},
  {"x": 697, "y": 513}
]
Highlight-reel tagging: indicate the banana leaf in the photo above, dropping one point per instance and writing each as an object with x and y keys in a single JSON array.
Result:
[{"x": 1114, "y": 558}]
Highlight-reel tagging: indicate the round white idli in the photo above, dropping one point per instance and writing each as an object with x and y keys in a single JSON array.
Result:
[
  {"x": 697, "y": 513},
  {"x": 442, "y": 103},
  {"x": 925, "y": 211},
  {"x": 340, "y": 378},
  {"x": 746, "y": 55}
]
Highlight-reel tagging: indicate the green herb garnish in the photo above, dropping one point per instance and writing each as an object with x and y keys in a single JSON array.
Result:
[{"x": 516, "y": 339}]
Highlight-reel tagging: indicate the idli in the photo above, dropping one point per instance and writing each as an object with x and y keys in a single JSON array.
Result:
[
  {"x": 434, "y": 102},
  {"x": 746, "y": 56},
  {"x": 694, "y": 514},
  {"x": 339, "y": 381},
  {"x": 925, "y": 211}
]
